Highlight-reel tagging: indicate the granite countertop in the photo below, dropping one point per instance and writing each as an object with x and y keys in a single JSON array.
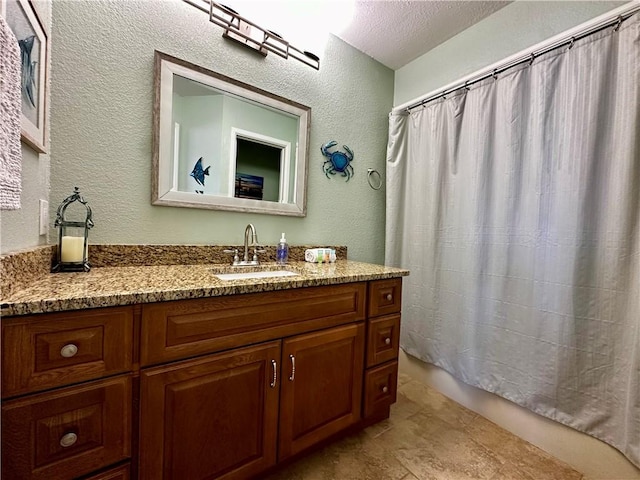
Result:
[{"x": 113, "y": 286}]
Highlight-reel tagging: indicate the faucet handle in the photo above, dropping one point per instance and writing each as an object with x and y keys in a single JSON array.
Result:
[
  {"x": 236, "y": 258},
  {"x": 256, "y": 250}
]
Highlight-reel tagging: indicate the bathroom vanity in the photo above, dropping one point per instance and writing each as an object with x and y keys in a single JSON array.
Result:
[{"x": 165, "y": 373}]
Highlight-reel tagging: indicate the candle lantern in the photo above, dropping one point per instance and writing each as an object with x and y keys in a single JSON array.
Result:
[{"x": 73, "y": 236}]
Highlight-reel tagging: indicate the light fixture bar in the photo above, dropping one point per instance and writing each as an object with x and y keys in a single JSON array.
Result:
[{"x": 247, "y": 33}]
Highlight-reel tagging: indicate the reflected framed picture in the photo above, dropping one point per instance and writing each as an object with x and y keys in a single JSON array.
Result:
[
  {"x": 249, "y": 186},
  {"x": 21, "y": 16}
]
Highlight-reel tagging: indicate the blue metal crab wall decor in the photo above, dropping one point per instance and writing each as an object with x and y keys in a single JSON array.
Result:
[{"x": 339, "y": 162}]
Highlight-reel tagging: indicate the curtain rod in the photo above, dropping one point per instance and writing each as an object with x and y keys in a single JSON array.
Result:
[{"x": 612, "y": 18}]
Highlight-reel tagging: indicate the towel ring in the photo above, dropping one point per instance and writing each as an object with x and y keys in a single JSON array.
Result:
[{"x": 370, "y": 173}]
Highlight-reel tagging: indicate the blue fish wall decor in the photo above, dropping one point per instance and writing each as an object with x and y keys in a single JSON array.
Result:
[{"x": 198, "y": 173}]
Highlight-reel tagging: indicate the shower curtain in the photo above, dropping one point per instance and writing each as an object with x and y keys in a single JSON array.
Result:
[{"x": 516, "y": 206}]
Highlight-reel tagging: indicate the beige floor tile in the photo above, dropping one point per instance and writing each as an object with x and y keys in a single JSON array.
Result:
[
  {"x": 357, "y": 457},
  {"x": 535, "y": 462},
  {"x": 429, "y": 437},
  {"x": 402, "y": 409},
  {"x": 431, "y": 448},
  {"x": 436, "y": 404},
  {"x": 519, "y": 455},
  {"x": 510, "y": 472},
  {"x": 488, "y": 433},
  {"x": 410, "y": 476},
  {"x": 403, "y": 378}
]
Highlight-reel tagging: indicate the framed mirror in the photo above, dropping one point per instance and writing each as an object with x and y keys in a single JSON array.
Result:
[{"x": 225, "y": 145}]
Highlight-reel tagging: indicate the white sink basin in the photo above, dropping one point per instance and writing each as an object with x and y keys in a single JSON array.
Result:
[{"x": 249, "y": 275}]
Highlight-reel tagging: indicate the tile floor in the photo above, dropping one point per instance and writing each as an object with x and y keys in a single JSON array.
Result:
[{"x": 429, "y": 437}]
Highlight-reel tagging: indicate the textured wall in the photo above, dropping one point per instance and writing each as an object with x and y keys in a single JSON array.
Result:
[
  {"x": 511, "y": 29},
  {"x": 20, "y": 229},
  {"x": 101, "y": 127}
]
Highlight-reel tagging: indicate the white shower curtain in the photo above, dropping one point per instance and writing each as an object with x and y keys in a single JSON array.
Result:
[{"x": 516, "y": 206}]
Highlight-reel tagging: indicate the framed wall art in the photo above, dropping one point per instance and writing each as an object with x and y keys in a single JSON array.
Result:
[{"x": 21, "y": 16}]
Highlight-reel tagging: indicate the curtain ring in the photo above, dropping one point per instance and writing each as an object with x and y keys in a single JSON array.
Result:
[
  {"x": 533, "y": 57},
  {"x": 573, "y": 39},
  {"x": 466, "y": 86},
  {"x": 617, "y": 27},
  {"x": 494, "y": 74},
  {"x": 370, "y": 173}
]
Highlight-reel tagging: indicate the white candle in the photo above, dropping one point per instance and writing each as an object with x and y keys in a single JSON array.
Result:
[{"x": 72, "y": 249}]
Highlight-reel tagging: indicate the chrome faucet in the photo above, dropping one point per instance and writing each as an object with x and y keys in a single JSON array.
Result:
[
  {"x": 250, "y": 240},
  {"x": 250, "y": 230}
]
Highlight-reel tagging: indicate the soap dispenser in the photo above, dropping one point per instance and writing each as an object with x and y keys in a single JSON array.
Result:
[{"x": 282, "y": 251}]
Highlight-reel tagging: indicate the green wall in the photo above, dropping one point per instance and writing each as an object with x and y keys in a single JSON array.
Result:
[
  {"x": 101, "y": 128},
  {"x": 516, "y": 27}
]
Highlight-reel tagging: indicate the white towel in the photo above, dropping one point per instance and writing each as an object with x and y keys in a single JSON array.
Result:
[{"x": 10, "y": 117}]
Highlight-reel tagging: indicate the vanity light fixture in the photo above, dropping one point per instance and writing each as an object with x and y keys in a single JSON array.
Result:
[
  {"x": 73, "y": 237},
  {"x": 247, "y": 33}
]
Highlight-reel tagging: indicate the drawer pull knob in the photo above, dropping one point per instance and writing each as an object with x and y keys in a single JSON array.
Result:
[
  {"x": 68, "y": 439},
  {"x": 389, "y": 297},
  {"x": 385, "y": 389},
  {"x": 387, "y": 341},
  {"x": 69, "y": 350}
]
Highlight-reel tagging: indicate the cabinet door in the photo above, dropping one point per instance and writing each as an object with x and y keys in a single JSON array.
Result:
[
  {"x": 321, "y": 386},
  {"x": 213, "y": 417}
]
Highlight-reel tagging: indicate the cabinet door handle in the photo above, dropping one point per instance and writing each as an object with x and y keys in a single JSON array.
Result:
[
  {"x": 69, "y": 350},
  {"x": 389, "y": 297},
  {"x": 274, "y": 366},
  {"x": 293, "y": 368},
  {"x": 387, "y": 341},
  {"x": 68, "y": 439},
  {"x": 385, "y": 389}
]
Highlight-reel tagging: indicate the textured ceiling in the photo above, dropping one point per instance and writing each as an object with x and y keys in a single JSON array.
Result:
[{"x": 395, "y": 32}]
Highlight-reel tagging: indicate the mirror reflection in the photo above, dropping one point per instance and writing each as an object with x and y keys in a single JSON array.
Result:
[{"x": 222, "y": 144}]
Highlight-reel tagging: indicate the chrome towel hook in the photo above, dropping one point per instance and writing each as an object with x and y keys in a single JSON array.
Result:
[{"x": 375, "y": 184}]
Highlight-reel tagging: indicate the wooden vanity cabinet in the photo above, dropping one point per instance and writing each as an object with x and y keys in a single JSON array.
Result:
[{"x": 222, "y": 387}]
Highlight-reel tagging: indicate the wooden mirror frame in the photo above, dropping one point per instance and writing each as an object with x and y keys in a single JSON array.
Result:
[{"x": 164, "y": 191}]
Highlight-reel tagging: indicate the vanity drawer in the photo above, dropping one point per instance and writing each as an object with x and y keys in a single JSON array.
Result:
[
  {"x": 51, "y": 350},
  {"x": 68, "y": 432},
  {"x": 182, "y": 329},
  {"x": 380, "y": 386},
  {"x": 385, "y": 297},
  {"x": 383, "y": 339}
]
